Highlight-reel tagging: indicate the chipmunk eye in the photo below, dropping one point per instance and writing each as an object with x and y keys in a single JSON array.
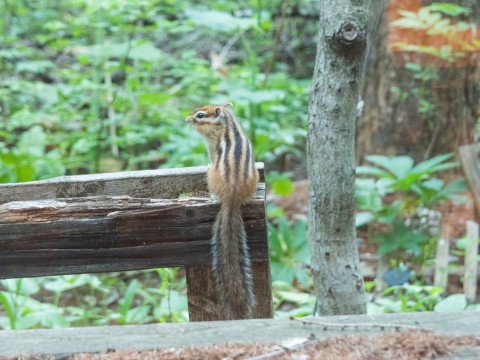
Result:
[{"x": 200, "y": 115}]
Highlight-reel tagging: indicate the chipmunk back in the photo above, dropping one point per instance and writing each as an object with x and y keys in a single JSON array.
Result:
[{"x": 232, "y": 178}]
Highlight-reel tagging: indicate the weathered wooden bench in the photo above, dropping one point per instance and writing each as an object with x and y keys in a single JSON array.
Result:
[
  {"x": 126, "y": 221},
  {"x": 148, "y": 219}
]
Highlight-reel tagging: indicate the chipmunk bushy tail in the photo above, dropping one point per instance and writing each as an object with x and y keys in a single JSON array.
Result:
[{"x": 231, "y": 263}]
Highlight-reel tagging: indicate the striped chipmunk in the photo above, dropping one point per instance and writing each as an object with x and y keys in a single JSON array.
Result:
[{"x": 232, "y": 179}]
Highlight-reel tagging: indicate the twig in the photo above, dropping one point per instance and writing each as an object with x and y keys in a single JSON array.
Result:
[
  {"x": 343, "y": 326},
  {"x": 226, "y": 48},
  {"x": 285, "y": 349}
]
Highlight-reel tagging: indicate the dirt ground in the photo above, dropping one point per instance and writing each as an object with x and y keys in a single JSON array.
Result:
[{"x": 408, "y": 345}]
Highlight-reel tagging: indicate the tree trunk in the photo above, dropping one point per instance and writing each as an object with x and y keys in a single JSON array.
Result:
[{"x": 331, "y": 159}]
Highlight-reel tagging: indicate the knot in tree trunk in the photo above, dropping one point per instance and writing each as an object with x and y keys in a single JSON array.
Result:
[
  {"x": 348, "y": 32},
  {"x": 350, "y": 36}
]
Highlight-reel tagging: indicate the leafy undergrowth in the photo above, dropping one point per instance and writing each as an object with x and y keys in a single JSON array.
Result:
[{"x": 104, "y": 299}]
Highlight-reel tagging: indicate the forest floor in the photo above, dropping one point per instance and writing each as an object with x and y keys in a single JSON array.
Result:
[{"x": 454, "y": 215}]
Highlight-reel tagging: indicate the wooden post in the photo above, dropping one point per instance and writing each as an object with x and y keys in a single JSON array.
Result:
[
  {"x": 202, "y": 305},
  {"x": 382, "y": 267},
  {"x": 202, "y": 294},
  {"x": 441, "y": 258},
  {"x": 471, "y": 263}
]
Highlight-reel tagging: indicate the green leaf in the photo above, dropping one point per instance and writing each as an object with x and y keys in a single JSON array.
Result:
[
  {"x": 370, "y": 170},
  {"x": 127, "y": 300},
  {"x": 283, "y": 186},
  {"x": 218, "y": 20},
  {"x": 153, "y": 98},
  {"x": 449, "y": 8},
  {"x": 298, "y": 298},
  {"x": 453, "y": 303},
  {"x": 428, "y": 165},
  {"x": 399, "y": 166},
  {"x": 138, "y": 314},
  {"x": 9, "y": 306},
  {"x": 60, "y": 284},
  {"x": 25, "y": 286},
  {"x": 455, "y": 186},
  {"x": 34, "y": 66},
  {"x": 33, "y": 141},
  {"x": 363, "y": 218}
]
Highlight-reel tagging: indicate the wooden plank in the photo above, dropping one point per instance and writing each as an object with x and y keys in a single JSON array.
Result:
[
  {"x": 202, "y": 295},
  {"x": 470, "y": 155},
  {"x": 262, "y": 287},
  {"x": 142, "y": 337},
  {"x": 163, "y": 183},
  {"x": 441, "y": 258},
  {"x": 202, "y": 305},
  {"x": 471, "y": 263},
  {"x": 101, "y": 234}
]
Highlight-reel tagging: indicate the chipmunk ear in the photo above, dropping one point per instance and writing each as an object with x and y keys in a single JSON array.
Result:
[
  {"x": 229, "y": 105},
  {"x": 217, "y": 111}
]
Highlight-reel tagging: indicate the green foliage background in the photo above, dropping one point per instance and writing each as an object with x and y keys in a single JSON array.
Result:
[
  {"x": 91, "y": 86},
  {"x": 94, "y": 86}
]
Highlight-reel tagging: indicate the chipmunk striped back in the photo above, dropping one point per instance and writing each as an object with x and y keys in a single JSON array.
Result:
[
  {"x": 235, "y": 176},
  {"x": 232, "y": 178}
]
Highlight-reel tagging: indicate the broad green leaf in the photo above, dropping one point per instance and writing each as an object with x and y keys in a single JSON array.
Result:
[
  {"x": 297, "y": 297},
  {"x": 399, "y": 166},
  {"x": 60, "y": 284},
  {"x": 453, "y": 303},
  {"x": 9, "y": 306},
  {"x": 34, "y": 66},
  {"x": 370, "y": 170},
  {"x": 25, "y": 286},
  {"x": 455, "y": 186},
  {"x": 449, "y": 8},
  {"x": 33, "y": 141},
  {"x": 153, "y": 98},
  {"x": 283, "y": 186},
  {"x": 428, "y": 165},
  {"x": 363, "y": 218},
  {"x": 433, "y": 184},
  {"x": 218, "y": 20},
  {"x": 138, "y": 314},
  {"x": 128, "y": 297}
]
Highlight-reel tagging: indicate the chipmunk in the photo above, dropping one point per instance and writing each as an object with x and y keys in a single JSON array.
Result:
[{"x": 232, "y": 179}]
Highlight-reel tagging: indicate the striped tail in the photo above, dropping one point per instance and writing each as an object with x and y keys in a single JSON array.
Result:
[{"x": 231, "y": 264}]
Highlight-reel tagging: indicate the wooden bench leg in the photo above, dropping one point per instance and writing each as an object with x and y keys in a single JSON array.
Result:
[
  {"x": 201, "y": 294},
  {"x": 202, "y": 305}
]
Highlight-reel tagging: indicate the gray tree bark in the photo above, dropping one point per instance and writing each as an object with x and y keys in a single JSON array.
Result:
[{"x": 332, "y": 112}]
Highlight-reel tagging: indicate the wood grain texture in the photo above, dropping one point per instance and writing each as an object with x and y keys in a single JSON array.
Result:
[
  {"x": 202, "y": 295},
  {"x": 126, "y": 221},
  {"x": 163, "y": 183},
  {"x": 88, "y": 235},
  {"x": 142, "y": 337},
  {"x": 202, "y": 304}
]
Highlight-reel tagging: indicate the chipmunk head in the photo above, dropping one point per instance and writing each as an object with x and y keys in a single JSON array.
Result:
[{"x": 209, "y": 120}]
